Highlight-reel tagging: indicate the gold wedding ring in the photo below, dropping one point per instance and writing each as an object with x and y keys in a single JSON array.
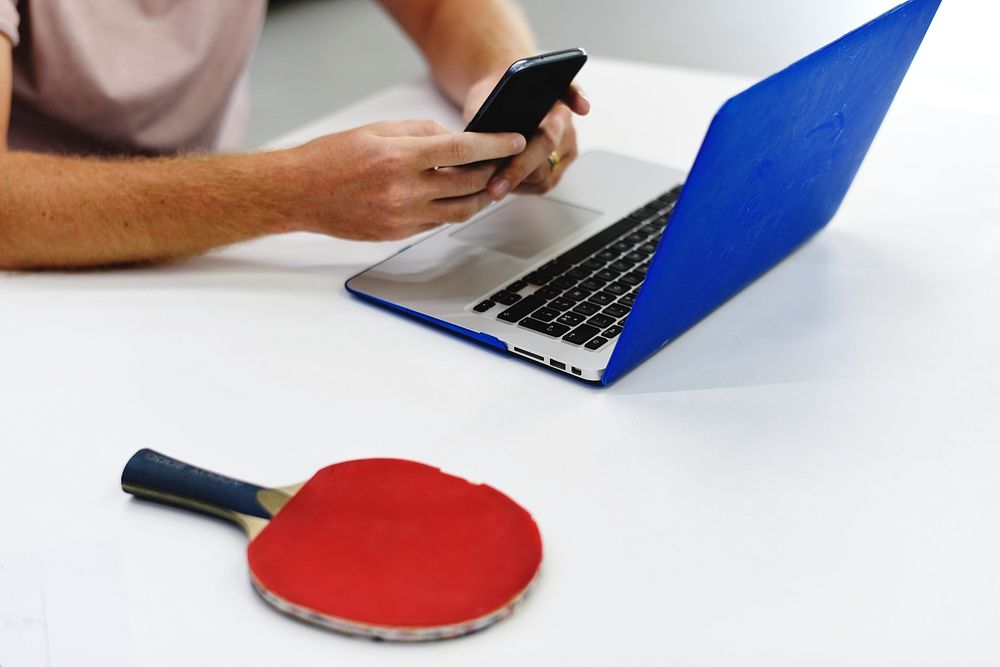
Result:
[{"x": 553, "y": 160}]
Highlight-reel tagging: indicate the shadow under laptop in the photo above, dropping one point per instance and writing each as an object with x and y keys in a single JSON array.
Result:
[{"x": 779, "y": 330}]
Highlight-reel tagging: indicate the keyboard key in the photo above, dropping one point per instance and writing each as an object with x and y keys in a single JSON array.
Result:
[
  {"x": 644, "y": 212},
  {"x": 561, "y": 304},
  {"x": 545, "y": 314},
  {"x": 621, "y": 247},
  {"x": 551, "y": 329},
  {"x": 579, "y": 273},
  {"x": 555, "y": 267},
  {"x": 648, "y": 248},
  {"x": 606, "y": 255},
  {"x": 621, "y": 265},
  {"x": 548, "y": 292},
  {"x": 627, "y": 301},
  {"x": 632, "y": 279},
  {"x": 586, "y": 308},
  {"x": 596, "y": 343},
  {"x": 602, "y": 298},
  {"x": 611, "y": 332},
  {"x": 576, "y": 294},
  {"x": 634, "y": 238},
  {"x": 571, "y": 318},
  {"x": 581, "y": 334},
  {"x": 484, "y": 306},
  {"x": 616, "y": 310},
  {"x": 506, "y": 298},
  {"x": 599, "y": 240},
  {"x": 593, "y": 284},
  {"x": 601, "y": 321},
  {"x": 522, "y": 308},
  {"x": 634, "y": 257},
  {"x": 516, "y": 286},
  {"x": 607, "y": 275},
  {"x": 593, "y": 264},
  {"x": 617, "y": 289},
  {"x": 537, "y": 278},
  {"x": 563, "y": 283}
]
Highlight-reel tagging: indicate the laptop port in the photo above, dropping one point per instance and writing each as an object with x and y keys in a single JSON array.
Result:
[
  {"x": 557, "y": 364},
  {"x": 532, "y": 355},
  {"x": 577, "y": 371}
]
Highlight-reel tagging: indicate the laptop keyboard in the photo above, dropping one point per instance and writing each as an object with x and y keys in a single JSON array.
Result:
[{"x": 585, "y": 295}]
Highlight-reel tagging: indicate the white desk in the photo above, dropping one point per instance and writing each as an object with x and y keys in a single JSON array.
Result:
[{"x": 810, "y": 476}]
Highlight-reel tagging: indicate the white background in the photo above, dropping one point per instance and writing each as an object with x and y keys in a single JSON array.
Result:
[{"x": 317, "y": 55}]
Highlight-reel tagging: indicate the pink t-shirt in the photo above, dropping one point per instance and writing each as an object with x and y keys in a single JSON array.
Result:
[{"x": 130, "y": 76}]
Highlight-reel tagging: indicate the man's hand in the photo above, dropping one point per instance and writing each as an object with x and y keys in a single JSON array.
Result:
[
  {"x": 394, "y": 179},
  {"x": 467, "y": 44},
  {"x": 531, "y": 171}
]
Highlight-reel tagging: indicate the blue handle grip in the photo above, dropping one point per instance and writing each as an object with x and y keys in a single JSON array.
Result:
[{"x": 155, "y": 476}]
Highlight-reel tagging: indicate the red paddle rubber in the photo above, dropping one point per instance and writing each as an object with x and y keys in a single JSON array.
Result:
[{"x": 396, "y": 550}]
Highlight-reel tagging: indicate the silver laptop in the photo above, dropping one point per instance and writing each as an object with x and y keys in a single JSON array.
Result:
[
  {"x": 492, "y": 275},
  {"x": 618, "y": 260}
]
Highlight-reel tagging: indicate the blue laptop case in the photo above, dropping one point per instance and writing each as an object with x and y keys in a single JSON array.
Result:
[{"x": 772, "y": 171}]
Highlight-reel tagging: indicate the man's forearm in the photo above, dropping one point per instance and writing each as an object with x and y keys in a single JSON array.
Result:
[
  {"x": 464, "y": 40},
  {"x": 377, "y": 182},
  {"x": 70, "y": 212}
]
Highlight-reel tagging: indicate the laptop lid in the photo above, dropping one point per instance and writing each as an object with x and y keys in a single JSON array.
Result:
[{"x": 772, "y": 170}]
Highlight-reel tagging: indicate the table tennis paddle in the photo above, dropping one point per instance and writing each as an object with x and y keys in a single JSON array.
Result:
[{"x": 383, "y": 548}]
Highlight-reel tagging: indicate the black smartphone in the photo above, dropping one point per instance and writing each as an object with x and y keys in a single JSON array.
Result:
[{"x": 528, "y": 90}]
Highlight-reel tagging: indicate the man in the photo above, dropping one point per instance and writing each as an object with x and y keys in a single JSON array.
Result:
[{"x": 85, "y": 82}]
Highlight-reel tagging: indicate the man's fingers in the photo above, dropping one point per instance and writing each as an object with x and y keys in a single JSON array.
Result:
[
  {"x": 459, "y": 181},
  {"x": 459, "y": 148},
  {"x": 576, "y": 100},
  {"x": 535, "y": 156},
  {"x": 530, "y": 187},
  {"x": 539, "y": 175},
  {"x": 567, "y": 152},
  {"x": 520, "y": 168},
  {"x": 459, "y": 209}
]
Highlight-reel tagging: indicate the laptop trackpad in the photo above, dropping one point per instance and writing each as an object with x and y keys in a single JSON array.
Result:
[{"x": 526, "y": 227}]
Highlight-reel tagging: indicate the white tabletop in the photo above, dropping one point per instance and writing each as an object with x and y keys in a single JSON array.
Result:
[{"x": 810, "y": 476}]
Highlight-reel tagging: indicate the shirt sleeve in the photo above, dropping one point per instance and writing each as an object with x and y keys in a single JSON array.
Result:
[{"x": 9, "y": 20}]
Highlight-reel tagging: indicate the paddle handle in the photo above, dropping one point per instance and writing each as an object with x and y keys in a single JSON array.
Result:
[{"x": 155, "y": 476}]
